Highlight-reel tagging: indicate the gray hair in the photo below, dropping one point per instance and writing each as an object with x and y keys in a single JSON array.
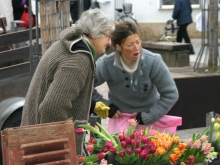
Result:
[{"x": 96, "y": 22}]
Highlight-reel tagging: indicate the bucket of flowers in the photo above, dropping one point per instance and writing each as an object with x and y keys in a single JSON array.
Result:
[
  {"x": 130, "y": 147},
  {"x": 214, "y": 133},
  {"x": 145, "y": 147},
  {"x": 196, "y": 151}
]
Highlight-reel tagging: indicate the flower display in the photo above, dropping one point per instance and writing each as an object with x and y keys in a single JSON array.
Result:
[
  {"x": 145, "y": 147},
  {"x": 196, "y": 150},
  {"x": 214, "y": 133}
]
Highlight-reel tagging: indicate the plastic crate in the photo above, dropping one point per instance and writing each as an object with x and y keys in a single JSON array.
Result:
[{"x": 127, "y": 7}]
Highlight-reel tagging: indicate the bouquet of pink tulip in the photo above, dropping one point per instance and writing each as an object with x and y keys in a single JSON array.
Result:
[{"x": 145, "y": 147}]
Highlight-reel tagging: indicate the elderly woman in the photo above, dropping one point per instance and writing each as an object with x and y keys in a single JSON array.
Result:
[
  {"x": 62, "y": 84},
  {"x": 140, "y": 84}
]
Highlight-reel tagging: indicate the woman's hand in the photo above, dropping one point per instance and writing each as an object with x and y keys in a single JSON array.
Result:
[
  {"x": 25, "y": 6},
  {"x": 118, "y": 114}
]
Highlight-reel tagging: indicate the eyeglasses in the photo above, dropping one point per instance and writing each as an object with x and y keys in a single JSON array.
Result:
[{"x": 107, "y": 35}]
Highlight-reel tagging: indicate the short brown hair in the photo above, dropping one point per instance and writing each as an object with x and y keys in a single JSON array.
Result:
[{"x": 122, "y": 31}]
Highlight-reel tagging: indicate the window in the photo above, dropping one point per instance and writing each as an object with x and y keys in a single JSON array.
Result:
[{"x": 170, "y": 3}]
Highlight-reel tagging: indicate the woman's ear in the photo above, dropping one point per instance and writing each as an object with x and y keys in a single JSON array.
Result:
[{"x": 118, "y": 47}]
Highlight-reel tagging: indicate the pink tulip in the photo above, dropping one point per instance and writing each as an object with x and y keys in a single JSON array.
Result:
[
  {"x": 112, "y": 150},
  {"x": 142, "y": 154},
  {"x": 101, "y": 155},
  {"x": 128, "y": 140},
  {"x": 123, "y": 144},
  {"x": 121, "y": 137},
  {"x": 133, "y": 142},
  {"x": 92, "y": 141},
  {"x": 121, "y": 153},
  {"x": 128, "y": 151},
  {"x": 144, "y": 140},
  {"x": 80, "y": 130},
  {"x": 81, "y": 159},
  {"x": 146, "y": 157},
  {"x": 105, "y": 149},
  {"x": 138, "y": 150},
  {"x": 109, "y": 144},
  {"x": 90, "y": 148},
  {"x": 132, "y": 136},
  {"x": 137, "y": 143},
  {"x": 132, "y": 122},
  {"x": 152, "y": 149}
]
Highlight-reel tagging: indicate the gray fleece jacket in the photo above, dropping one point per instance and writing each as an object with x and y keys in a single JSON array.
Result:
[{"x": 151, "y": 90}]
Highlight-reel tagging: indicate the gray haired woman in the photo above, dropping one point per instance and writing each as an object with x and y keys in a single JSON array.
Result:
[{"x": 62, "y": 84}]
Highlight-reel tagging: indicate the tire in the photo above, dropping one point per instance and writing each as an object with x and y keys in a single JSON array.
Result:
[
  {"x": 127, "y": 18},
  {"x": 14, "y": 120}
]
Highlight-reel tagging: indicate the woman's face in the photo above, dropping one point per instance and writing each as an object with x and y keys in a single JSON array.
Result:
[
  {"x": 130, "y": 48},
  {"x": 100, "y": 44}
]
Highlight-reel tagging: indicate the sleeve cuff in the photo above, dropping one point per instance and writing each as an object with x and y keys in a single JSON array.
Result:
[
  {"x": 93, "y": 103},
  {"x": 113, "y": 110},
  {"x": 139, "y": 118}
]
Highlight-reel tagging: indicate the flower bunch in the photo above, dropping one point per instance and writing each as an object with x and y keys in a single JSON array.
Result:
[
  {"x": 195, "y": 150},
  {"x": 214, "y": 134},
  {"x": 145, "y": 147}
]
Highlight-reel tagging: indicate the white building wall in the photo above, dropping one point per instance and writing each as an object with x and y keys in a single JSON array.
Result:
[{"x": 146, "y": 11}]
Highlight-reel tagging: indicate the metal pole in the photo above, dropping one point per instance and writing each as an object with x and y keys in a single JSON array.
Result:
[
  {"x": 80, "y": 7},
  {"x": 30, "y": 40}
]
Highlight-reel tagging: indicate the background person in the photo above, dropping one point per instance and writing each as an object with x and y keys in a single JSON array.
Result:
[
  {"x": 62, "y": 84},
  {"x": 139, "y": 81},
  {"x": 182, "y": 13},
  {"x": 74, "y": 11},
  {"x": 18, "y": 8}
]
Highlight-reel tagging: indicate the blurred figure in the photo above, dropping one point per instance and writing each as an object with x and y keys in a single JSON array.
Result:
[
  {"x": 6, "y": 10},
  {"x": 182, "y": 13},
  {"x": 18, "y": 8},
  {"x": 74, "y": 8}
]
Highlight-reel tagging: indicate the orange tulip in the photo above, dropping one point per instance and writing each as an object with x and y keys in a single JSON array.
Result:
[{"x": 173, "y": 158}]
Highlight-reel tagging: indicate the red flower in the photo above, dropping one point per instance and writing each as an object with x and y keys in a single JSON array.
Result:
[
  {"x": 121, "y": 137},
  {"x": 90, "y": 148},
  {"x": 191, "y": 159},
  {"x": 109, "y": 144},
  {"x": 121, "y": 153},
  {"x": 92, "y": 141},
  {"x": 101, "y": 155},
  {"x": 146, "y": 157},
  {"x": 81, "y": 159},
  {"x": 142, "y": 154},
  {"x": 104, "y": 149},
  {"x": 80, "y": 130},
  {"x": 144, "y": 140},
  {"x": 137, "y": 150},
  {"x": 133, "y": 142},
  {"x": 128, "y": 140},
  {"x": 128, "y": 151},
  {"x": 123, "y": 144},
  {"x": 112, "y": 150}
]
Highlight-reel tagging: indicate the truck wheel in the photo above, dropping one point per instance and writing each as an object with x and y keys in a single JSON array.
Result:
[{"x": 14, "y": 120}]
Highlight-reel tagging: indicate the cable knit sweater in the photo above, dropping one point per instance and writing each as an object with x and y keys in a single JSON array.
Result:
[{"x": 62, "y": 83}]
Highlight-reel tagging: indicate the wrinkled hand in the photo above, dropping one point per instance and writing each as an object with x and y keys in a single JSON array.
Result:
[{"x": 101, "y": 109}]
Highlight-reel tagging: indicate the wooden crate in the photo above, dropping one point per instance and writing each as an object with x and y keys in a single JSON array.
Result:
[{"x": 41, "y": 144}]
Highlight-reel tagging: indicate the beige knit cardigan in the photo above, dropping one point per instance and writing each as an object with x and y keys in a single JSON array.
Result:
[{"x": 62, "y": 84}]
